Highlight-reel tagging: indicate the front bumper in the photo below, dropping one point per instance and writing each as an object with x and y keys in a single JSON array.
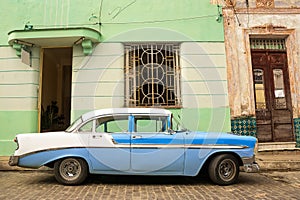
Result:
[
  {"x": 13, "y": 160},
  {"x": 251, "y": 168},
  {"x": 249, "y": 165}
]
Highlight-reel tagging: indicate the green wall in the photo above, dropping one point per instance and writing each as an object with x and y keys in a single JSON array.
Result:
[
  {"x": 193, "y": 18},
  {"x": 12, "y": 123},
  {"x": 19, "y": 85},
  {"x": 205, "y": 119},
  {"x": 117, "y": 21}
]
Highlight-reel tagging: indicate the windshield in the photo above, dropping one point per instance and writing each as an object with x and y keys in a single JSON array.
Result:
[{"x": 74, "y": 125}]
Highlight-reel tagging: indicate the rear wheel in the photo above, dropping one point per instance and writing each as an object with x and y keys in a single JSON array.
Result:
[
  {"x": 224, "y": 169},
  {"x": 70, "y": 171}
]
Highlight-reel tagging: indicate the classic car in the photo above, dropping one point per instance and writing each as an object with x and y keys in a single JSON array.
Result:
[{"x": 135, "y": 141}]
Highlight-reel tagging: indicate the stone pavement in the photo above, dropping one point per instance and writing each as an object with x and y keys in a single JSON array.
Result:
[
  {"x": 288, "y": 160},
  {"x": 35, "y": 185}
]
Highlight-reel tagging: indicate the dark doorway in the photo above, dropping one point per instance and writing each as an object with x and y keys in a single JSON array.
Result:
[
  {"x": 272, "y": 96},
  {"x": 56, "y": 78}
]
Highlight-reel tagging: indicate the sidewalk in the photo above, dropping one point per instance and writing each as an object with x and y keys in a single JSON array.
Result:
[
  {"x": 4, "y": 166},
  {"x": 288, "y": 160}
]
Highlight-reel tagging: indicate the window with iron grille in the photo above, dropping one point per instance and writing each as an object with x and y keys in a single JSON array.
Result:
[
  {"x": 152, "y": 75},
  {"x": 267, "y": 44}
]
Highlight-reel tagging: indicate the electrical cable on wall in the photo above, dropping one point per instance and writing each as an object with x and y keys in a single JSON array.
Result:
[
  {"x": 248, "y": 18},
  {"x": 133, "y": 22},
  {"x": 163, "y": 20},
  {"x": 234, "y": 11},
  {"x": 100, "y": 14}
]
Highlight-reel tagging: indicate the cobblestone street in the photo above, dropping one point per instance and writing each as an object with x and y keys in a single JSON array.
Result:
[{"x": 42, "y": 185}]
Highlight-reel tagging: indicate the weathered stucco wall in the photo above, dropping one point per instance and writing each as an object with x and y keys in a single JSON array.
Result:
[
  {"x": 239, "y": 26},
  {"x": 260, "y": 19}
]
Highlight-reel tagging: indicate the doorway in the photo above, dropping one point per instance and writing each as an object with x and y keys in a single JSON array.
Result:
[
  {"x": 273, "y": 105},
  {"x": 55, "y": 94}
]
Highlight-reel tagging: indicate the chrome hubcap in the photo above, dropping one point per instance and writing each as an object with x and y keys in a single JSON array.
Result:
[
  {"x": 70, "y": 169},
  {"x": 227, "y": 169}
]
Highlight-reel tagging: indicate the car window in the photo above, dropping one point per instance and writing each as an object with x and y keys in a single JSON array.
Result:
[
  {"x": 112, "y": 124},
  {"x": 87, "y": 127},
  {"x": 150, "y": 124},
  {"x": 74, "y": 125}
]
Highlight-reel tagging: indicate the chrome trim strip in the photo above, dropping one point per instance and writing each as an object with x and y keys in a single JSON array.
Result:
[
  {"x": 157, "y": 146},
  {"x": 147, "y": 146},
  {"x": 215, "y": 146},
  {"x": 190, "y": 146}
]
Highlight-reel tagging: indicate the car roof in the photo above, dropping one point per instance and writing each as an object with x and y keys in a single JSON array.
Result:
[{"x": 134, "y": 111}]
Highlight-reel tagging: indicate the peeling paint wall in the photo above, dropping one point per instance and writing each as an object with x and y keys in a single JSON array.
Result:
[
  {"x": 265, "y": 19},
  {"x": 239, "y": 24}
]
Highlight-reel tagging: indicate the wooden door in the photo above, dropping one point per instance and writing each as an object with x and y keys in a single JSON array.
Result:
[{"x": 272, "y": 96}]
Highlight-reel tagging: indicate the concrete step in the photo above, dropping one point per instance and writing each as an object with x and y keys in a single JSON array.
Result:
[
  {"x": 278, "y": 156},
  {"x": 276, "y": 146},
  {"x": 280, "y": 160}
]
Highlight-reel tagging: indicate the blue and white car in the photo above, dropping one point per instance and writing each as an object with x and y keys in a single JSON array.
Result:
[{"x": 135, "y": 141}]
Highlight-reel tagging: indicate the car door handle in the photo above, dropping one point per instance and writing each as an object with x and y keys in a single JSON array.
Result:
[
  {"x": 97, "y": 136},
  {"x": 136, "y": 136}
]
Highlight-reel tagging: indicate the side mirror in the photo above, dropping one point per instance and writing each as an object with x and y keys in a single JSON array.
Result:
[{"x": 170, "y": 131}]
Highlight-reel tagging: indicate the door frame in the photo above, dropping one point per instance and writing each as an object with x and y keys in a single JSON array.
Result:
[
  {"x": 40, "y": 90},
  {"x": 40, "y": 87}
]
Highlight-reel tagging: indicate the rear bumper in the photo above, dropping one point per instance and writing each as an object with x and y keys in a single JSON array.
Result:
[
  {"x": 13, "y": 160},
  {"x": 249, "y": 165}
]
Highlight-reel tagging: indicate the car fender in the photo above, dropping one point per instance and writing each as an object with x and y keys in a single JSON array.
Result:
[
  {"x": 197, "y": 160},
  {"x": 50, "y": 162},
  {"x": 47, "y": 158}
]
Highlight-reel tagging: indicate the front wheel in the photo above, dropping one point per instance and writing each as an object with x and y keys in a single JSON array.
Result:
[
  {"x": 224, "y": 169},
  {"x": 70, "y": 171}
]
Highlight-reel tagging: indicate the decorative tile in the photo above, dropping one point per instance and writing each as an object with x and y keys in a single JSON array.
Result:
[
  {"x": 247, "y": 126},
  {"x": 244, "y": 126},
  {"x": 297, "y": 131}
]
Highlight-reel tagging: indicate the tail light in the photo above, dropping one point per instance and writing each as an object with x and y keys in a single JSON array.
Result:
[{"x": 16, "y": 141}]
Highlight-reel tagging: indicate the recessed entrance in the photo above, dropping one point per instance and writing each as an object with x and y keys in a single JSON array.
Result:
[
  {"x": 55, "y": 94},
  {"x": 273, "y": 104}
]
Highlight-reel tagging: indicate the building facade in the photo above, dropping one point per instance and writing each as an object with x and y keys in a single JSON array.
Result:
[
  {"x": 59, "y": 59},
  {"x": 262, "y": 42}
]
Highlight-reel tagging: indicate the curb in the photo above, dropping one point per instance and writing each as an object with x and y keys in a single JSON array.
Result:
[
  {"x": 4, "y": 166},
  {"x": 279, "y": 165},
  {"x": 279, "y": 160}
]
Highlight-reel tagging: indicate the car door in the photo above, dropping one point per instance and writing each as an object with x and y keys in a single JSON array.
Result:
[
  {"x": 154, "y": 150},
  {"x": 110, "y": 144}
]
